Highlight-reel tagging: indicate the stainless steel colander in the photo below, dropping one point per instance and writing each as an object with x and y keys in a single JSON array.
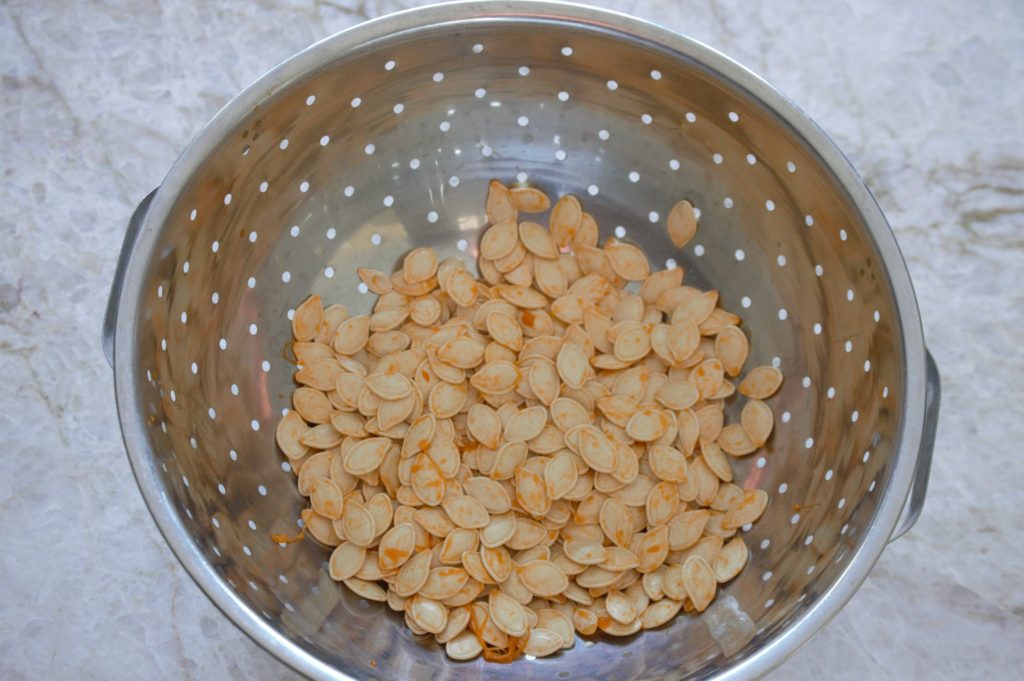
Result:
[{"x": 383, "y": 138}]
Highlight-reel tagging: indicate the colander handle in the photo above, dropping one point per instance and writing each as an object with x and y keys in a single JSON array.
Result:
[
  {"x": 130, "y": 234},
  {"x": 932, "y": 397}
]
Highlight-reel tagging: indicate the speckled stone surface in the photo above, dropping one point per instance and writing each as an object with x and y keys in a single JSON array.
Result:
[{"x": 97, "y": 99}]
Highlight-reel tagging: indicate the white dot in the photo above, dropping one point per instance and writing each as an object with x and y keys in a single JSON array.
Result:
[
  {"x": 566, "y": 51},
  {"x": 254, "y": 424},
  {"x": 524, "y": 70},
  {"x": 844, "y": 528},
  {"x": 521, "y": 176},
  {"x": 810, "y": 569},
  {"x": 375, "y": 239},
  {"x": 698, "y": 250},
  {"x": 432, "y": 216},
  {"x": 263, "y": 492},
  {"x": 329, "y": 272},
  {"x": 849, "y": 294},
  {"x": 253, "y": 329},
  {"x": 216, "y": 523},
  {"x": 251, "y": 282},
  {"x": 871, "y": 487},
  {"x": 765, "y": 543},
  {"x": 751, "y": 159},
  {"x": 331, "y": 233},
  {"x": 783, "y": 314},
  {"x": 646, "y": 119},
  {"x": 612, "y": 85},
  {"x": 717, "y": 158},
  {"x": 782, "y": 488},
  {"x": 794, "y": 519},
  {"x": 806, "y": 382},
  {"x": 389, "y": 65},
  {"x": 620, "y": 231},
  {"x": 362, "y": 287},
  {"x": 356, "y": 101},
  {"x": 523, "y": 121},
  {"x": 670, "y": 264},
  {"x": 603, "y": 134},
  {"x": 265, "y": 365},
  {"x": 808, "y": 220},
  {"x": 848, "y": 346},
  {"x": 656, "y": 74},
  {"x": 560, "y": 154},
  {"x": 842, "y": 502},
  {"x": 691, "y": 117},
  {"x": 284, "y": 144},
  {"x": 487, "y": 151},
  {"x": 227, "y": 199},
  {"x": 195, "y": 368},
  {"x": 740, "y": 255},
  {"x": 192, "y": 215},
  {"x": 398, "y": 108},
  {"x": 445, "y": 126},
  {"x": 286, "y": 467},
  {"x": 766, "y": 576},
  {"x": 634, "y": 176},
  {"x": 734, "y": 117},
  {"x": 310, "y": 100},
  {"x": 817, "y": 329},
  {"x": 673, "y": 164},
  {"x": 234, "y": 390},
  {"x": 247, "y": 551},
  {"x": 842, "y": 235},
  {"x": 184, "y": 317},
  {"x": 769, "y": 205},
  {"x": 480, "y": 93},
  {"x": 160, "y": 289},
  {"x": 727, "y": 202},
  {"x": 369, "y": 149},
  {"x": 791, "y": 167},
  {"x": 388, "y": 201},
  {"x": 786, "y": 416},
  {"x": 593, "y": 190},
  {"x": 819, "y": 270},
  {"x": 349, "y": 190},
  {"x": 295, "y": 230},
  {"x": 745, "y": 302},
  {"x": 761, "y": 462},
  {"x": 563, "y": 96},
  {"x": 174, "y": 397},
  {"x": 808, "y": 443},
  {"x": 438, "y": 77},
  {"x": 462, "y": 244},
  {"x": 866, "y": 457},
  {"x": 885, "y": 392},
  {"x": 223, "y": 344},
  {"x": 829, "y": 474},
  {"x": 214, "y": 297},
  {"x": 653, "y": 216},
  {"x": 854, "y": 416},
  {"x": 831, "y": 392},
  {"x": 867, "y": 365},
  {"x": 776, "y": 362},
  {"x": 185, "y": 267},
  {"x": 877, "y": 316},
  {"x": 478, "y": 48}
]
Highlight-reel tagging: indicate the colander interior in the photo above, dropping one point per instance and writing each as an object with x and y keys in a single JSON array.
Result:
[{"x": 390, "y": 146}]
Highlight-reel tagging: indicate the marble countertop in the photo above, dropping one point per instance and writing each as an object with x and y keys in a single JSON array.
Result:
[{"x": 98, "y": 98}]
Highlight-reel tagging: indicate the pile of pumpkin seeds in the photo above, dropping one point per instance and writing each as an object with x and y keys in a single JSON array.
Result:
[{"x": 514, "y": 460}]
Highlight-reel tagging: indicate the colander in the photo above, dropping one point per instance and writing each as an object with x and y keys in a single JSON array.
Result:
[{"x": 383, "y": 138}]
